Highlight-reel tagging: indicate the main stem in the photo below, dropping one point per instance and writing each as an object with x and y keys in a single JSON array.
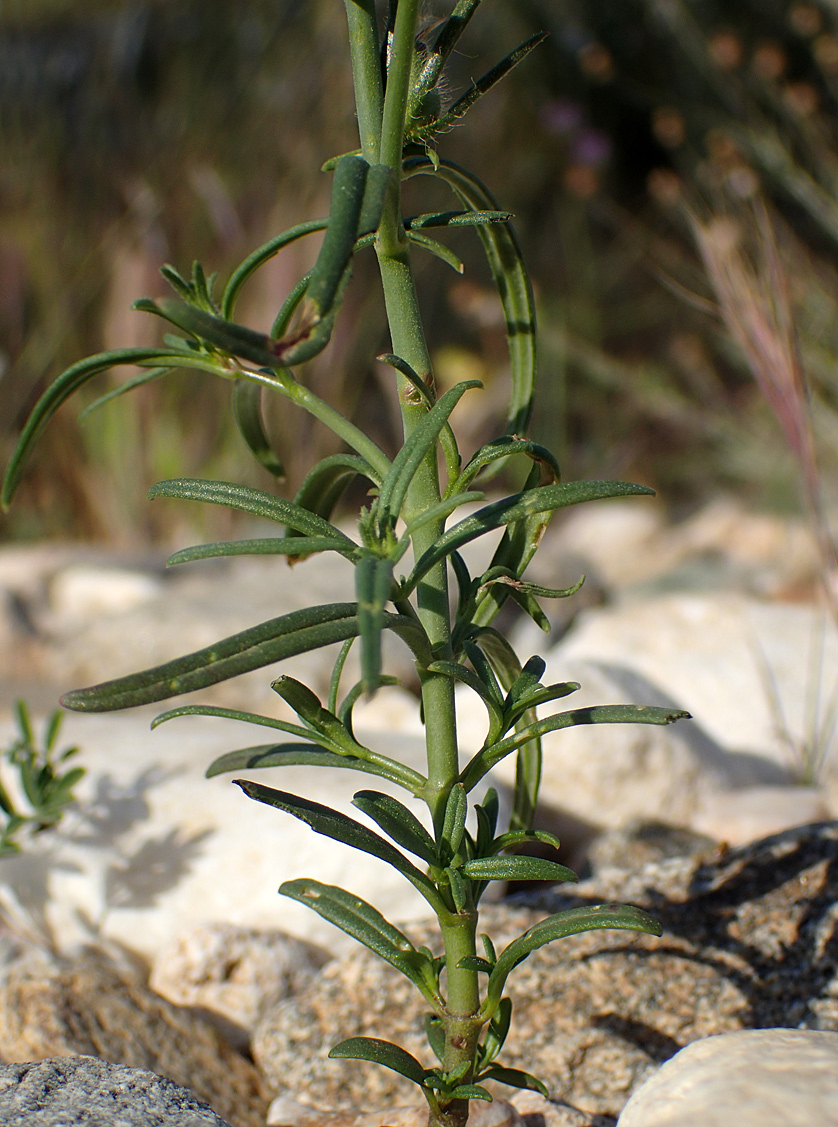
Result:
[{"x": 408, "y": 342}]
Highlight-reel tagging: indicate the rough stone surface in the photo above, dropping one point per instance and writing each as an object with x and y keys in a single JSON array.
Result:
[
  {"x": 234, "y": 973},
  {"x": 749, "y": 941},
  {"x": 755, "y": 1078},
  {"x": 524, "y": 1109},
  {"x": 85, "y": 1092},
  {"x": 89, "y": 1008}
]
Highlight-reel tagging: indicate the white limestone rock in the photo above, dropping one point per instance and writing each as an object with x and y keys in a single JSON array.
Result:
[
  {"x": 752, "y": 1078},
  {"x": 699, "y": 653}
]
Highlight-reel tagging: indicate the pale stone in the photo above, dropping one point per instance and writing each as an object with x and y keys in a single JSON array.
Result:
[
  {"x": 76, "y": 1090},
  {"x": 701, "y": 654},
  {"x": 80, "y": 593},
  {"x": 755, "y": 1078},
  {"x": 750, "y": 813},
  {"x": 233, "y": 973}
]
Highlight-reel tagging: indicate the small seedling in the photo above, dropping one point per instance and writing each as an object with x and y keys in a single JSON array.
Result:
[{"x": 45, "y": 789}]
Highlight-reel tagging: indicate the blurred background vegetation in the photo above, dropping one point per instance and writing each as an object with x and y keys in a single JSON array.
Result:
[{"x": 641, "y": 135}]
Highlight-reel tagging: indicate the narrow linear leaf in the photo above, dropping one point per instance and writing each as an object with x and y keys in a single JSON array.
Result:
[
  {"x": 490, "y": 78},
  {"x": 558, "y": 926},
  {"x": 366, "y": 924},
  {"x": 373, "y": 587},
  {"x": 294, "y": 546},
  {"x": 262, "y": 255},
  {"x": 437, "y": 249},
  {"x": 61, "y": 389},
  {"x": 304, "y": 755},
  {"x": 487, "y": 757},
  {"x": 517, "y": 868},
  {"x": 511, "y": 278},
  {"x": 381, "y": 1052},
  {"x": 247, "y": 411},
  {"x": 421, "y": 440},
  {"x": 332, "y": 824},
  {"x": 399, "y": 823},
  {"x": 502, "y": 448},
  {"x": 219, "y": 712},
  {"x": 515, "y": 1078},
  {"x": 448, "y": 442},
  {"x": 254, "y": 501},
  {"x": 455, "y": 219},
  {"x": 542, "y": 499},
  {"x": 279, "y": 638}
]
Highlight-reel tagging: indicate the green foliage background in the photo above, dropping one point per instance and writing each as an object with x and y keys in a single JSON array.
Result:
[{"x": 134, "y": 132}]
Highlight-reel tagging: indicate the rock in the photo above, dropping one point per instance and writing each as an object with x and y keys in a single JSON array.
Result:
[
  {"x": 90, "y": 1008},
  {"x": 287, "y": 1112},
  {"x": 747, "y": 943},
  {"x": 627, "y": 544},
  {"x": 699, "y": 653},
  {"x": 524, "y": 1109},
  {"x": 234, "y": 973},
  {"x": 65, "y": 1090},
  {"x": 80, "y": 593},
  {"x": 754, "y": 1078}
]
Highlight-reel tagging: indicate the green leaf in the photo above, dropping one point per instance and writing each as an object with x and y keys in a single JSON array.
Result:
[
  {"x": 455, "y": 219},
  {"x": 487, "y": 757},
  {"x": 61, "y": 389},
  {"x": 497, "y": 1030},
  {"x": 501, "y": 449},
  {"x": 348, "y": 187},
  {"x": 484, "y": 84},
  {"x": 253, "y": 501},
  {"x": 570, "y": 922},
  {"x": 543, "y": 695},
  {"x": 324, "y": 485},
  {"x": 247, "y": 410},
  {"x": 286, "y": 636},
  {"x": 373, "y": 589},
  {"x": 230, "y": 338},
  {"x": 381, "y": 1052},
  {"x": 447, "y": 441},
  {"x": 332, "y": 824},
  {"x": 294, "y": 546},
  {"x": 303, "y": 755},
  {"x": 459, "y": 672},
  {"x": 365, "y": 924},
  {"x": 398, "y": 823},
  {"x": 515, "y": 1078},
  {"x": 542, "y": 499},
  {"x": 469, "y": 1092},
  {"x": 454, "y": 824},
  {"x": 437, "y": 249},
  {"x": 517, "y": 868},
  {"x": 262, "y": 255},
  {"x": 230, "y": 714},
  {"x": 435, "y": 1032},
  {"x": 420, "y": 442},
  {"x": 150, "y": 376},
  {"x": 511, "y": 278}
]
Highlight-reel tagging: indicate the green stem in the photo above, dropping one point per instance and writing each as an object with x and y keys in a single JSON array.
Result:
[
  {"x": 408, "y": 343},
  {"x": 365, "y": 51}
]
